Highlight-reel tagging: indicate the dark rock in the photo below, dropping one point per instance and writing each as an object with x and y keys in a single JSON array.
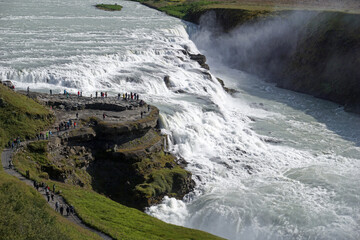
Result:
[
  {"x": 226, "y": 165},
  {"x": 201, "y": 59},
  {"x": 167, "y": 82},
  {"x": 248, "y": 168},
  {"x": 180, "y": 91}
]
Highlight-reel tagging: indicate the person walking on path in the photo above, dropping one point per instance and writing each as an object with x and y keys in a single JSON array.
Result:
[
  {"x": 67, "y": 210},
  {"x": 57, "y": 206},
  {"x": 54, "y": 188},
  {"x": 48, "y": 197},
  {"x": 52, "y": 196},
  {"x": 95, "y": 94},
  {"x": 50, "y": 92},
  {"x": 148, "y": 108},
  {"x": 61, "y": 209},
  {"x": 141, "y": 114}
]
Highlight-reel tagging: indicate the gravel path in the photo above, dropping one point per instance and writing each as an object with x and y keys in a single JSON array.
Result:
[{"x": 6, "y": 157}]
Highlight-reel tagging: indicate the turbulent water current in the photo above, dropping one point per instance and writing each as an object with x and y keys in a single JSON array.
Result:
[{"x": 268, "y": 163}]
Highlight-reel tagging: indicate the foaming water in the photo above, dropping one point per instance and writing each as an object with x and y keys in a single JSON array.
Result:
[{"x": 268, "y": 163}]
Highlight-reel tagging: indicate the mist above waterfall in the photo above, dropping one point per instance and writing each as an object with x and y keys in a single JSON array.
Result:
[{"x": 259, "y": 47}]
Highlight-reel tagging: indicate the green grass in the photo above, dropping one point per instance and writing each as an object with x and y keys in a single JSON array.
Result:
[
  {"x": 184, "y": 9},
  {"x": 122, "y": 222},
  {"x": 21, "y": 116},
  {"x": 26, "y": 215},
  {"x": 109, "y": 7},
  {"x": 159, "y": 180}
]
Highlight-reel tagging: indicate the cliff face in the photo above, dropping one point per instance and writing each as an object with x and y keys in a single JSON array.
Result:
[
  {"x": 317, "y": 53},
  {"x": 326, "y": 60}
]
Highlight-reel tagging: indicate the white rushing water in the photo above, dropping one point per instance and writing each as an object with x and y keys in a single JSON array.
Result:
[{"x": 268, "y": 163}]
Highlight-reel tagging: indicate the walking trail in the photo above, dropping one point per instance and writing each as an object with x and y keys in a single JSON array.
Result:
[{"x": 6, "y": 157}]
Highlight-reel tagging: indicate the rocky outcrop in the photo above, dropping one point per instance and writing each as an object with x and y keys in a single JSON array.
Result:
[
  {"x": 120, "y": 155},
  {"x": 201, "y": 59}
]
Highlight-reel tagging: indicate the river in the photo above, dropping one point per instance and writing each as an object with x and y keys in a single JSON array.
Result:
[{"x": 268, "y": 163}]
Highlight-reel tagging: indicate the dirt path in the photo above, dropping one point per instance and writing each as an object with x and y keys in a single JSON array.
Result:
[{"x": 6, "y": 157}]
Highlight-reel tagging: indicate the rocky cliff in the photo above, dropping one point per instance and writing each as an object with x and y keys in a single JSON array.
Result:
[{"x": 317, "y": 53}]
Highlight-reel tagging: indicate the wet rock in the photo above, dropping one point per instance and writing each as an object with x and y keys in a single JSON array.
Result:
[
  {"x": 248, "y": 168},
  {"x": 167, "y": 82},
  {"x": 201, "y": 59},
  {"x": 226, "y": 165},
  {"x": 180, "y": 91}
]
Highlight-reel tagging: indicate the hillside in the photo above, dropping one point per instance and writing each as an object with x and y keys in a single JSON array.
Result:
[{"x": 24, "y": 212}]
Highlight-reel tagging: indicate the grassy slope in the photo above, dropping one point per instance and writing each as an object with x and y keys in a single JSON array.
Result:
[
  {"x": 102, "y": 213},
  {"x": 24, "y": 212},
  {"x": 26, "y": 215},
  {"x": 20, "y": 116}
]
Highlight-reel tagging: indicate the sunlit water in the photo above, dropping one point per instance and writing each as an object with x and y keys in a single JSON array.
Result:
[{"x": 268, "y": 163}]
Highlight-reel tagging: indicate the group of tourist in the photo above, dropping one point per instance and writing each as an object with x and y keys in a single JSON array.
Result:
[
  {"x": 63, "y": 126},
  {"x": 44, "y": 136},
  {"x": 129, "y": 96},
  {"x": 50, "y": 196},
  {"x": 13, "y": 143},
  {"x": 102, "y": 94},
  {"x": 60, "y": 208}
]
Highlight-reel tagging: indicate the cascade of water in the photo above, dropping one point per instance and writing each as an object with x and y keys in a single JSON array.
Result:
[{"x": 265, "y": 167}]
